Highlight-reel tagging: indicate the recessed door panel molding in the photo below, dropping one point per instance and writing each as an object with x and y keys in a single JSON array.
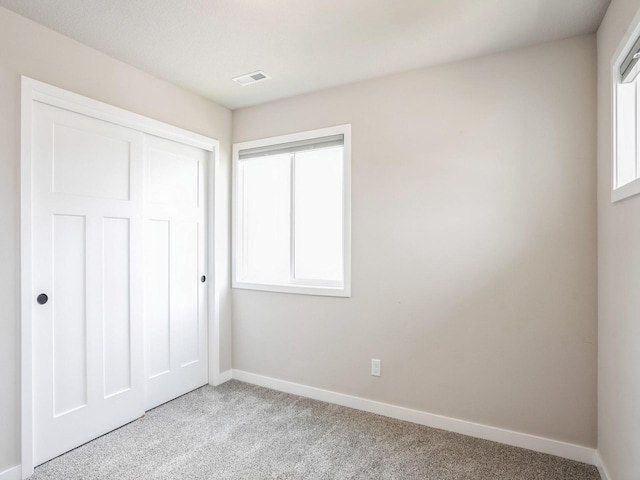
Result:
[
  {"x": 185, "y": 285},
  {"x": 157, "y": 298},
  {"x": 69, "y": 319},
  {"x": 172, "y": 177},
  {"x": 75, "y": 172},
  {"x": 176, "y": 264},
  {"x": 116, "y": 319},
  {"x": 115, "y": 214}
]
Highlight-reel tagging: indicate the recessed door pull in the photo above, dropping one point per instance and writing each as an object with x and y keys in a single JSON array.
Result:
[
  {"x": 42, "y": 299},
  {"x": 203, "y": 278}
]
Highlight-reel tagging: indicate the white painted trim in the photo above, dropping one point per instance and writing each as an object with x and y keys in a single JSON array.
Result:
[
  {"x": 508, "y": 437},
  {"x": 214, "y": 263},
  {"x": 296, "y": 287},
  {"x": 221, "y": 378},
  {"x": 35, "y": 91},
  {"x": 12, "y": 473},
  {"x": 293, "y": 288},
  {"x": 26, "y": 300},
  {"x": 58, "y": 97},
  {"x": 602, "y": 468},
  {"x": 625, "y": 191},
  {"x": 629, "y": 38}
]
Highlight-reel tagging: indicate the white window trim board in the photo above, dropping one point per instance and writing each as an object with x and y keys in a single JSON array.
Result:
[
  {"x": 35, "y": 91},
  {"x": 296, "y": 288},
  {"x": 628, "y": 190},
  {"x": 629, "y": 38}
]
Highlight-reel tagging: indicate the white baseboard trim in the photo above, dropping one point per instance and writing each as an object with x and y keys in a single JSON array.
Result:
[
  {"x": 13, "y": 473},
  {"x": 219, "y": 378},
  {"x": 602, "y": 468},
  {"x": 508, "y": 437}
]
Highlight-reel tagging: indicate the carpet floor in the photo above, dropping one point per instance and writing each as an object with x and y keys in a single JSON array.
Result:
[{"x": 240, "y": 431}]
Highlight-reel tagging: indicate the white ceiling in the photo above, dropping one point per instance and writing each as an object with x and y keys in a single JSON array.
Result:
[{"x": 304, "y": 45}]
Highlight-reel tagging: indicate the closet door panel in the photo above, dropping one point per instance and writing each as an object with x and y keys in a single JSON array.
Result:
[
  {"x": 157, "y": 314},
  {"x": 88, "y": 360},
  {"x": 185, "y": 287},
  {"x": 69, "y": 327},
  {"x": 175, "y": 295},
  {"x": 117, "y": 315}
]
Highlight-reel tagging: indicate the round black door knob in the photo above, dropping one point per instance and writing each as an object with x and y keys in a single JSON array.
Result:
[
  {"x": 42, "y": 299},
  {"x": 203, "y": 279}
]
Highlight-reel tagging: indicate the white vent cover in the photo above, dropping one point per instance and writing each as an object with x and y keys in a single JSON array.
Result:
[{"x": 250, "y": 78}]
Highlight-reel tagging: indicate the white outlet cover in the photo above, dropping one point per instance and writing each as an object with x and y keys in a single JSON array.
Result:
[{"x": 375, "y": 367}]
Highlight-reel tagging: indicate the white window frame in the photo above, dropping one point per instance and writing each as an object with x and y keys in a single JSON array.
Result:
[
  {"x": 295, "y": 286},
  {"x": 632, "y": 188}
]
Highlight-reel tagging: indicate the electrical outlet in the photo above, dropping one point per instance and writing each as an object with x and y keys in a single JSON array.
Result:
[{"x": 375, "y": 367}]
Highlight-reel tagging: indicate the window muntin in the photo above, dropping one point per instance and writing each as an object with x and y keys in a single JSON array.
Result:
[{"x": 291, "y": 213}]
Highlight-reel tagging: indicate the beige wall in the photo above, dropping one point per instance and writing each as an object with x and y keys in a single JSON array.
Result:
[
  {"x": 618, "y": 280},
  {"x": 29, "y": 49},
  {"x": 474, "y": 245}
]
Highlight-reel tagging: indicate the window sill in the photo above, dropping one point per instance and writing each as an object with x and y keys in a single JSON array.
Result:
[
  {"x": 296, "y": 289},
  {"x": 626, "y": 191}
]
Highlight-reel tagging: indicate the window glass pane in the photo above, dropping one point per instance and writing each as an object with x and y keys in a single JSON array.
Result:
[
  {"x": 318, "y": 214},
  {"x": 266, "y": 214},
  {"x": 626, "y": 134}
]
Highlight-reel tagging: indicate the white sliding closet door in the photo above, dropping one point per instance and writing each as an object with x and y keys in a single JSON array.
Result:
[
  {"x": 175, "y": 269},
  {"x": 88, "y": 370}
]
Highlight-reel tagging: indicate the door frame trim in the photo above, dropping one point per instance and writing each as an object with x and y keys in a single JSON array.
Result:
[{"x": 36, "y": 91}]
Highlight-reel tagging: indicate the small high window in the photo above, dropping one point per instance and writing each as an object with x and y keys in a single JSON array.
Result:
[
  {"x": 292, "y": 213},
  {"x": 626, "y": 102}
]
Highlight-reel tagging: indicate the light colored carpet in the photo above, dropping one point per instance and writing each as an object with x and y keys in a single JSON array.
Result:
[{"x": 240, "y": 431}]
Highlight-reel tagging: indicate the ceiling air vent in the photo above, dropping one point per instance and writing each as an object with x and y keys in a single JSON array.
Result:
[{"x": 250, "y": 78}]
